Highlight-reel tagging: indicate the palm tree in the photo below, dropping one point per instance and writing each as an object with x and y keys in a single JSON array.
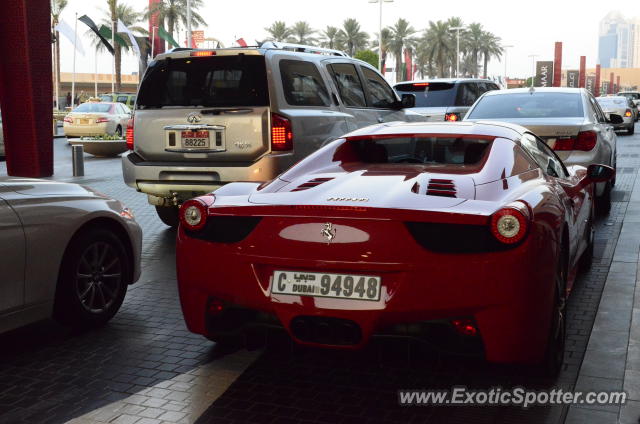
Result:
[
  {"x": 386, "y": 39},
  {"x": 491, "y": 47},
  {"x": 354, "y": 38},
  {"x": 332, "y": 38},
  {"x": 473, "y": 42},
  {"x": 437, "y": 39},
  {"x": 278, "y": 31},
  {"x": 456, "y": 22},
  {"x": 57, "y": 6},
  {"x": 302, "y": 33},
  {"x": 401, "y": 39},
  {"x": 174, "y": 13}
]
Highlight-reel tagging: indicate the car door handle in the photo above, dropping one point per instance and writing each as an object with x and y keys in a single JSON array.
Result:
[{"x": 380, "y": 119}]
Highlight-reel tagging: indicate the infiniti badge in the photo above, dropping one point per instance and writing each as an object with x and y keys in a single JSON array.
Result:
[{"x": 193, "y": 118}]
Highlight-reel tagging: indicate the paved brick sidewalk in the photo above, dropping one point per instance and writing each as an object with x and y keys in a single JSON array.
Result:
[{"x": 144, "y": 367}]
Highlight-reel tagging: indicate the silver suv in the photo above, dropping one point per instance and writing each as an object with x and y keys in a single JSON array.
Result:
[{"x": 204, "y": 118}]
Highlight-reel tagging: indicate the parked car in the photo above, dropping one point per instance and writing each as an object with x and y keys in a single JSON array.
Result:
[
  {"x": 97, "y": 118},
  {"x": 205, "y": 118},
  {"x": 310, "y": 251},
  {"x": 569, "y": 120},
  {"x": 622, "y": 106},
  {"x": 65, "y": 251},
  {"x": 446, "y": 99},
  {"x": 635, "y": 98},
  {"x": 128, "y": 99}
]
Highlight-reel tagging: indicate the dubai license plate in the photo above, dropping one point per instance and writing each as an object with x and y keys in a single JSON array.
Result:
[
  {"x": 195, "y": 139},
  {"x": 317, "y": 284}
]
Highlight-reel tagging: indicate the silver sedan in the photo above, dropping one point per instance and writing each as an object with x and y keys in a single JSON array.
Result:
[
  {"x": 65, "y": 251},
  {"x": 620, "y": 106},
  {"x": 569, "y": 120}
]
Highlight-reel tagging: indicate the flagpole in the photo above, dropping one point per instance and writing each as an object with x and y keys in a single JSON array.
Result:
[
  {"x": 189, "y": 43},
  {"x": 55, "y": 73},
  {"x": 73, "y": 78},
  {"x": 113, "y": 63}
]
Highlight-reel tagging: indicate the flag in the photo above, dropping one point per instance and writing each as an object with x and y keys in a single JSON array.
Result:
[
  {"x": 241, "y": 42},
  {"x": 64, "y": 29},
  {"x": 88, "y": 22},
  {"x": 134, "y": 44},
  {"x": 105, "y": 31},
  {"x": 167, "y": 37}
]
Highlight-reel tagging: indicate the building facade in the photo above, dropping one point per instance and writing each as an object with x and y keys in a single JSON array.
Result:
[{"x": 619, "y": 41}]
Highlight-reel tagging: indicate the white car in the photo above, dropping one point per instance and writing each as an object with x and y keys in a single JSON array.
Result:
[
  {"x": 65, "y": 251},
  {"x": 97, "y": 118}
]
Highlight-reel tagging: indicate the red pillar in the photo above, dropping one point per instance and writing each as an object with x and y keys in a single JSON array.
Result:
[
  {"x": 610, "y": 88},
  {"x": 596, "y": 89},
  {"x": 583, "y": 72},
  {"x": 617, "y": 84},
  {"x": 154, "y": 21},
  {"x": 26, "y": 96},
  {"x": 557, "y": 65}
]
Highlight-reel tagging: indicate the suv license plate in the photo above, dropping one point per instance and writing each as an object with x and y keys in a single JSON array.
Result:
[
  {"x": 317, "y": 284},
  {"x": 195, "y": 139}
]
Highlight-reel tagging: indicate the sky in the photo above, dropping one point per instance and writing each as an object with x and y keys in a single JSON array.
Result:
[{"x": 530, "y": 27}]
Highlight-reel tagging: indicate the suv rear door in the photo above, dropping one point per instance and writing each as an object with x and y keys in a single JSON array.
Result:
[
  {"x": 352, "y": 94},
  {"x": 381, "y": 99},
  {"x": 210, "y": 106}
]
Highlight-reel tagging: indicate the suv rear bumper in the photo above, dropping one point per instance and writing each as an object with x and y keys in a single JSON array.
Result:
[{"x": 164, "y": 179}]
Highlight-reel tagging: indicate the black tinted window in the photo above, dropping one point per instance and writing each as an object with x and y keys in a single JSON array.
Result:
[
  {"x": 349, "y": 84},
  {"x": 467, "y": 94},
  {"x": 93, "y": 108},
  {"x": 205, "y": 81},
  {"x": 302, "y": 83},
  {"x": 380, "y": 94},
  {"x": 528, "y": 105},
  {"x": 430, "y": 94}
]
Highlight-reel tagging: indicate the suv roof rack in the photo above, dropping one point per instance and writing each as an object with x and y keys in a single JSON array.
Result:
[{"x": 302, "y": 48}]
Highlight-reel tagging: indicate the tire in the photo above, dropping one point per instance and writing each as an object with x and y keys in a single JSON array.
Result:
[
  {"x": 631, "y": 130},
  {"x": 603, "y": 202},
  {"x": 169, "y": 215},
  {"x": 118, "y": 131},
  {"x": 586, "y": 260},
  {"x": 93, "y": 279},
  {"x": 554, "y": 354}
]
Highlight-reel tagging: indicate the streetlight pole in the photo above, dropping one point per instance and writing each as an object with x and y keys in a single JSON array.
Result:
[
  {"x": 505, "y": 64},
  {"x": 533, "y": 65},
  {"x": 380, "y": 31},
  {"x": 457, "y": 30},
  {"x": 189, "y": 44}
]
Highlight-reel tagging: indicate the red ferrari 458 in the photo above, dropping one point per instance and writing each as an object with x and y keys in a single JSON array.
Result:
[{"x": 467, "y": 236}]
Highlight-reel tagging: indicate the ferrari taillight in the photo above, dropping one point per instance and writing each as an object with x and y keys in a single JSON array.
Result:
[
  {"x": 130, "y": 134},
  {"x": 281, "y": 133},
  {"x": 510, "y": 224},
  {"x": 193, "y": 214}
]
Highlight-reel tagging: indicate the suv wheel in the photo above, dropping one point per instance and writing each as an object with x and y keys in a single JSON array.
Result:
[
  {"x": 169, "y": 215},
  {"x": 631, "y": 129}
]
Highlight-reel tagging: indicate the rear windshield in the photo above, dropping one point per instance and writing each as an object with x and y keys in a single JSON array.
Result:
[
  {"x": 106, "y": 98},
  {"x": 433, "y": 94},
  {"x": 527, "y": 105},
  {"x": 612, "y": 101},
  {"x": 632, "y": 96},
  {"x": 93, "y": 108},
  {"x": 421, "y": 150},
  {"x": 239, "y": 80}
]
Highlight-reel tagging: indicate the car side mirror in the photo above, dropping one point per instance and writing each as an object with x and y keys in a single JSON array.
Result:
[
  {"x": 614, "y": 118},
  {"x": 408, "y": 101},
  {"x": 597, "y": 173}
]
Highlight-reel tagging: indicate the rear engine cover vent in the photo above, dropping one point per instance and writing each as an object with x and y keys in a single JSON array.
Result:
[
  {"x": 440, "y": 187},
  {"x": 312, "y": 183}
]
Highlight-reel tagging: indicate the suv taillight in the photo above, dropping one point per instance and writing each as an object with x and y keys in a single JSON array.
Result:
[
  {"x": 281, "y": 133},
  {"x": 451, "y": 117},
  {"x": 628, "y": 113},
  {"x": 130, "y": 134}
]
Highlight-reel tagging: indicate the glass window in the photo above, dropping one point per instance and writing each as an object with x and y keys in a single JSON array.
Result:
[
  {"x": 422, "y": 150},
  {"x": 93, "y": 108},
  {"x": 467, "y": 94},
  {"x": 429, "y": 94},
  {"x": 528, "y": 105},
  {"x": 206, "y": 82},
  {"x": 302, "y": 83},
  {"x": 600, "y": 116},
  {"x": 106, "y": 98},
  {"x": 349, "y": 84},
  {"x": 122, "y": 99},
  {"x": 380, "y": 94},
  {"x": 125, "y": 109},
  {"x": 542, "y": 154}
]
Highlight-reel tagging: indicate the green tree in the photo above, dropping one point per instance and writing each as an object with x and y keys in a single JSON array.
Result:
[
  {"x": 173, "y": 13},
  {"x": 57, "y": 6},
  {"x": 386, "y": 39},
  {"x": 401, "y": 38},
  {"x": 437, "y": 42},
  {"x": 473, "y": 41},
  {"x": 278, "y": 31},
  {"x": 355, "y": 39},
  {"x": 491, "y": 47},
  {"x": 302, "y": 33},
  {"x": 332, "y": 38},
  {"x": 368, "y": 56}
]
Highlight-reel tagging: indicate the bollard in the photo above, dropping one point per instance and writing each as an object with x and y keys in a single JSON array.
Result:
[{"x": 77, "y": 160}]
